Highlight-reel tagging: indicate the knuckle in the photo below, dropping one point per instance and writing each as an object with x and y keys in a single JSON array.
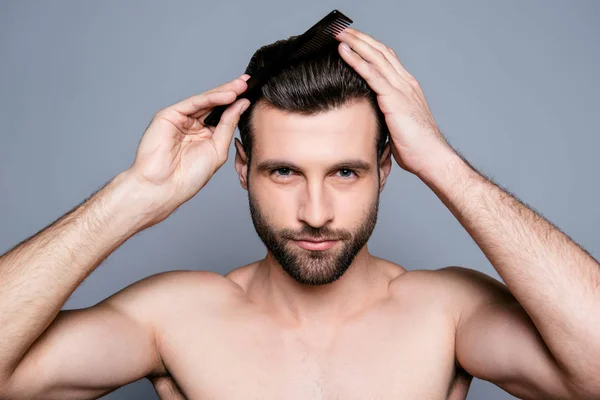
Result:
[
  {"x": 160, "y": 113},
  {"x": 412, "y": 80},
  {"x": 382, "y": 49},
  {"x": 379, "y": 51},
  {"x": 222, "y": 159},
  {"x": 228, "y": 122}
]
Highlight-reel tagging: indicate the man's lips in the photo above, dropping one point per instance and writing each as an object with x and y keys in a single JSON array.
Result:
[{"x": 312, "y": 244}]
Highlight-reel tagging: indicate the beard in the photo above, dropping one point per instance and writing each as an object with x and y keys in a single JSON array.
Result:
[{"x": 314, "y": 267}]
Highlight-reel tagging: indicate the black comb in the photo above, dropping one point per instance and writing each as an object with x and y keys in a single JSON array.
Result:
[{"x": 319, "y": 36}]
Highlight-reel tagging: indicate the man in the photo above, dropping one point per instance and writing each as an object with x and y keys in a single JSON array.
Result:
[{"x": 319, "y": 317}]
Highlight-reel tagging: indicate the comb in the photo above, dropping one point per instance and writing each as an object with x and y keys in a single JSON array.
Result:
[{"x": 319, "y": 36}]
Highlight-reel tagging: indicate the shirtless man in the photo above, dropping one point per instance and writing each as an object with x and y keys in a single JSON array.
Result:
[{"x": 319, "y": 317}]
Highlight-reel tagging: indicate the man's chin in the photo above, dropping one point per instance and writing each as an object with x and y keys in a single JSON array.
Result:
[
  {"x": 312, "y": 267},
  {"x": 314, "y": 278}
]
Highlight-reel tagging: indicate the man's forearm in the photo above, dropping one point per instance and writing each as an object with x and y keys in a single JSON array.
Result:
[
  {"x": 38, "y": 276},
  {"x": 555, "y": 280}
]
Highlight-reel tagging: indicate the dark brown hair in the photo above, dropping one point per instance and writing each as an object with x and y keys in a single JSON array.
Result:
[{"x": 315, "y": 84}]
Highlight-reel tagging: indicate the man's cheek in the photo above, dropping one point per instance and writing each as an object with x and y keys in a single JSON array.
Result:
[
  {"x": 282, "y": 207},
  {"x": 350, "y": 210}
]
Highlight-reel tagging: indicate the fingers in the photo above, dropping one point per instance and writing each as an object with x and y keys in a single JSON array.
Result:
[
  {"x": 226, "y": 127},
  {"x": 366, "y": 50},
  {"x": 202, "y": 112},
  {"x": 203, "y": 102},
  {"x": 223, "y": 94},
  {"x": 388, "y": 52},
  {"x": 379, "y": 77},
  {"x": 237, "y": 85}
]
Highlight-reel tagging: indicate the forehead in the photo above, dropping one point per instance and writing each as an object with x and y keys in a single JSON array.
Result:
[{"x": 346, "y": 132}]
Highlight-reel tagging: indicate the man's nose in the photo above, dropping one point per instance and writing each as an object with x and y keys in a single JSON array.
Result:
[{"x": 316, "y": 207}]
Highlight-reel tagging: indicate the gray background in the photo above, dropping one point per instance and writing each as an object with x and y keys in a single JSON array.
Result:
[{"x": 512, "y": 84}]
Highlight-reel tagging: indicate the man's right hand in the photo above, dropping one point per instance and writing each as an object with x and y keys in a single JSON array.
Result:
[
  {"x": 177, "y": 154},
  {"x": 52, "y": 353}
]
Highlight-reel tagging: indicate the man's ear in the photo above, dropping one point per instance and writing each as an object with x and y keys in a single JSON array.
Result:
[
  {"x": 385, "y": 165},
  {"x": 241, "y": 163}
]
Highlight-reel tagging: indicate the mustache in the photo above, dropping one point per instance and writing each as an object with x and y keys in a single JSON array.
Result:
[{"x": 315, "y": 234}]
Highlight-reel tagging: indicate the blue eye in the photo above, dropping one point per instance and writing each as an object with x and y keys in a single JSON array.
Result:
[
  {"x": 346, "y": 173},
  {"x": 282, "y": 171}
]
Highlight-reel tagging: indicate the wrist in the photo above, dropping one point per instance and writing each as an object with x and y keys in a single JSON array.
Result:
[
  {"x": 444, "y": 168},
  {"x": 133, "y": 202}
]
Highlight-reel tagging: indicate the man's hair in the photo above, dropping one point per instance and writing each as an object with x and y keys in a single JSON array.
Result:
[{"x": 317, "y": 83}]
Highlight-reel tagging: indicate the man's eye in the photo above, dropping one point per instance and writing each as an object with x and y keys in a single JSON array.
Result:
[
  {"x": 346, "y": 173},
  {"x": 282, "y": 172}
]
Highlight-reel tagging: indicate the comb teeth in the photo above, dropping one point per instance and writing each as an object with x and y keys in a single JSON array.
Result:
[
  {"x": 321, "y": 34},
  {"x": 313, "y": 40}
]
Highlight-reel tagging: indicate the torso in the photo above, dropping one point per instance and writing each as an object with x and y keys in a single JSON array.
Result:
[{"x": 400, "y": 348}]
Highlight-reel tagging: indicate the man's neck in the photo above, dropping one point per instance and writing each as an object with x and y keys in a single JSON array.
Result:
[{"x": 363, "y": 282}]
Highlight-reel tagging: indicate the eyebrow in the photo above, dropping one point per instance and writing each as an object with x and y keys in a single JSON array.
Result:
[{"x": 355, "y": 164}]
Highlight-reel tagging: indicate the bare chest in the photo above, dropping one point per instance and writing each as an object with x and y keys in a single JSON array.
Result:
[{"x": 374, "y": 357}]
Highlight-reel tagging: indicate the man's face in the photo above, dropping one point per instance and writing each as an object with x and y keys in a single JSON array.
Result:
[{"x": 314, "y": 178}]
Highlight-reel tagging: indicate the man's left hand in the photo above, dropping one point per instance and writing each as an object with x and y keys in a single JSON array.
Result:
[{"x": 416, "y": 140}]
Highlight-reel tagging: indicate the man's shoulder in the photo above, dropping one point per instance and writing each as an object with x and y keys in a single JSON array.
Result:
[
  {"x": 451, "y": 288},
  {"x": 197, "y": 281},
  {"x": 473, "y": 284},
  {"x": 178, "y": 288},
  {"x": 450, "y": 277}
]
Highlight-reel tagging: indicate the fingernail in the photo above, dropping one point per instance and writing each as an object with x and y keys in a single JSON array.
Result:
[{"x": 345, "y": 47}]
